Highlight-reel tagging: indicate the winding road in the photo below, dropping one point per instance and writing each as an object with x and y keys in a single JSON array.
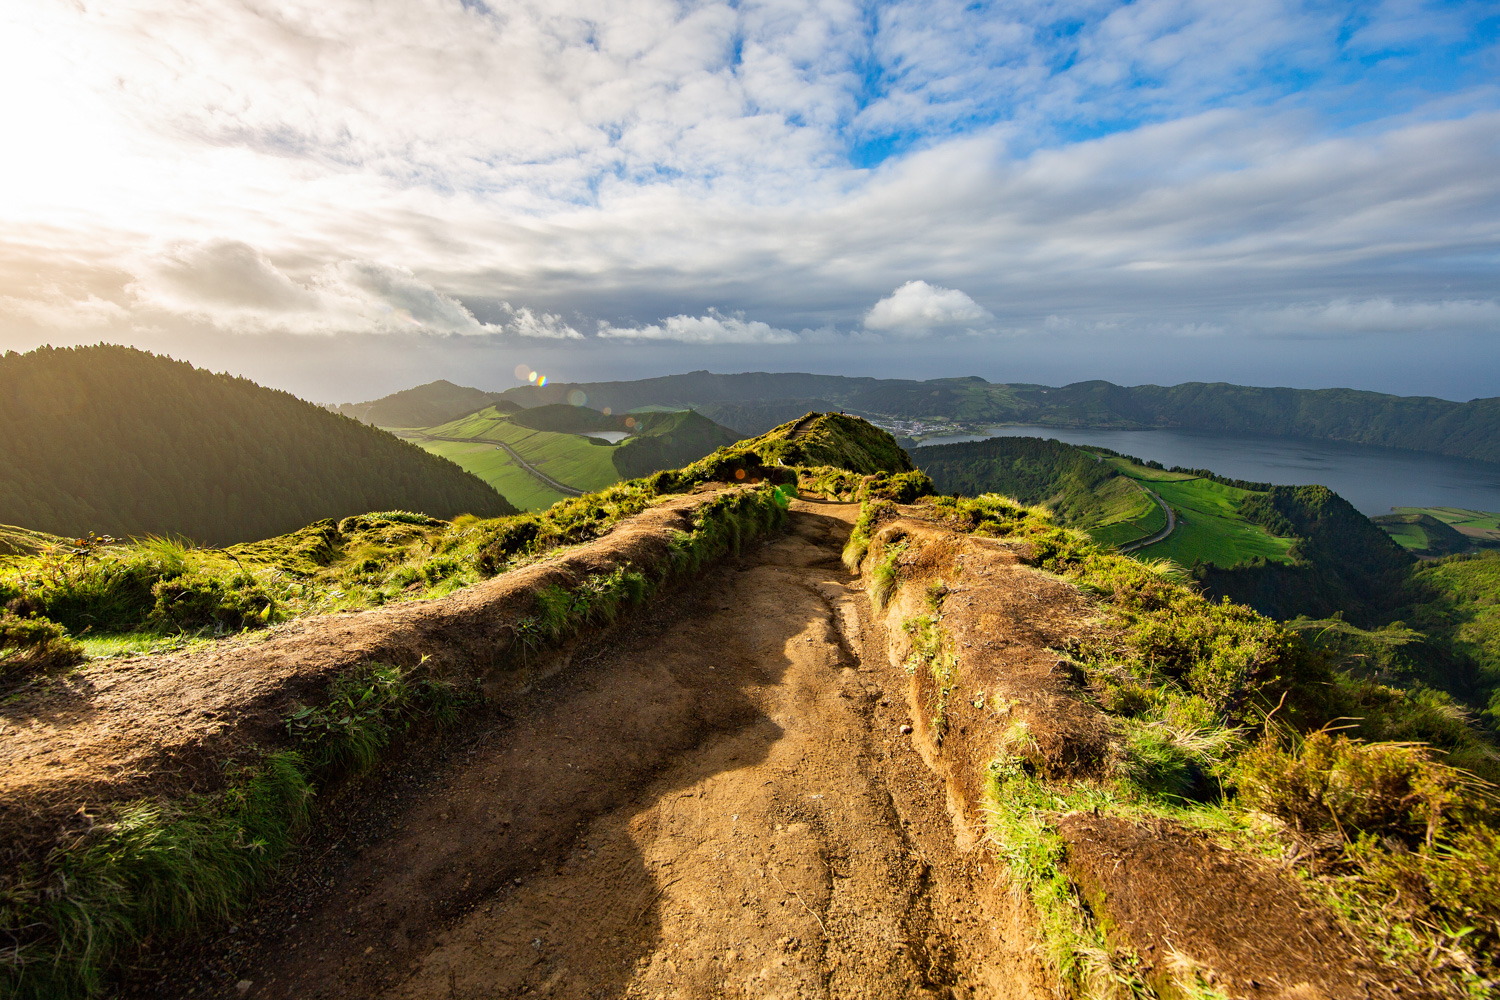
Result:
[{"x": 1160, "y": 535}]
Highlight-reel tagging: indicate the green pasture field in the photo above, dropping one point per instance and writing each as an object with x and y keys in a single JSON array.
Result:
[
  {"x": 490, "y": 463},
  {"x": 1129, "y": 513},
  {"x": 1409, "y": 536},
  {"x": 1209, "y": 525},
  {"x": 1481, "y": 526},
  {"x": 1457, "y": 516},
  {"x": 573, "y": 460}
]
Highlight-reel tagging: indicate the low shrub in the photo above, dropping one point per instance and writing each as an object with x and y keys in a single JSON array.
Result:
[
  {"x": 30, "y": 645},
  {"x": 1334, "y": 783},
  {"x": 197, "y": 600}
]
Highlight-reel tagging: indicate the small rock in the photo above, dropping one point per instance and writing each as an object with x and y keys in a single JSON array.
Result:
[
  {"x": 905, "y": 730},
  {"x": 243, "y": 986}
]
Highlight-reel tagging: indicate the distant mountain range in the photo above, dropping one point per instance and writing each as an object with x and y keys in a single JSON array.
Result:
[
  {"x": 752, "y": 402},
  {"x": 122, "y": 442}
]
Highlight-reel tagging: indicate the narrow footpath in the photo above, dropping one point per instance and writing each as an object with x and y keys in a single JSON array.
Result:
[{"x": 714, "y": 799}]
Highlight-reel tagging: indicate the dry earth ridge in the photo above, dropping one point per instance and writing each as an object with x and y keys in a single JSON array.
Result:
[{"x": 719, "y": 796}]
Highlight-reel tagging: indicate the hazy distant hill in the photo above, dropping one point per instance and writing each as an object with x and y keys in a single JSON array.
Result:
[
  {"x": 424, "y": 406},
  {"x": 754, "y": 401},
  {"x": 122, "y": 442}
]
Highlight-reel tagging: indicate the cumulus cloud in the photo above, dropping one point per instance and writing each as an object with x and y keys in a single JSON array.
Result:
[
  {"x": 714, "y": 328},
  {"x": 917, "y": 309},
  {"x": 235, "y": 287},
  {"x": 332, "y": 165}
]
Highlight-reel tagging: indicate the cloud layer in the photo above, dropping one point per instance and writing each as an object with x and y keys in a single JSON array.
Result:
[{"x": 766, "y": 174}]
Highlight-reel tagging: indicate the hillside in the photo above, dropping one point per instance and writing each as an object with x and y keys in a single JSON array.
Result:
[
  {"x": 423, "y": 406},
  {"x": 122, "y": 442},
  {"x": 694, "y": 736},
  {"x": 539, "y": 455},
  {"x": 754, "y": 401}
]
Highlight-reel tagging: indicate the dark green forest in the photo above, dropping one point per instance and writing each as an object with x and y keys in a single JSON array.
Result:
[{"x": 123, "y": 442}]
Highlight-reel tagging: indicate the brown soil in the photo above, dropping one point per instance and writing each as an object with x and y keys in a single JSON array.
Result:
[
  {"x": 713, "y": 801},
  {"x": 120, "y": 729},
  {"x": 1183, "y": 901}
]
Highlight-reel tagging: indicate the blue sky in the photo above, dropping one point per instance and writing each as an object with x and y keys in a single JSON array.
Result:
[{"x": 343, "y": 198}]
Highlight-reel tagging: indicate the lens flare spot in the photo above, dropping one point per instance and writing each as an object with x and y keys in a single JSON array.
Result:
[
  {"x": 530, "y": 376},
  {"x": 541, "y": 380},
  {"x": 630, "y": 421},
  {"x": 578, "y": 397},
  {"x": 523, "y": 373},
  {"x": 607, "y": 411}
]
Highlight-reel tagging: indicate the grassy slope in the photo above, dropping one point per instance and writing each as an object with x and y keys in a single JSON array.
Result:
[
  {"x": 495, "y": 466},
  {"x": 547, "y": 438},
  {"x": 1106, "y": 495},
  {"x": 1466, "y": 613},
  {"x": 1459, "y": 517},
  {"x": 1126, "y": 513},
  {"x": 1209, "y": 525},
  {"x": 571, "y": 459}
]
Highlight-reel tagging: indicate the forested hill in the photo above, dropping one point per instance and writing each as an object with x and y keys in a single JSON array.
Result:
[
  {"x": 753, "y": 401},
  {"x": 122, "y": 442},
  {"x": 424, "y": 406}
]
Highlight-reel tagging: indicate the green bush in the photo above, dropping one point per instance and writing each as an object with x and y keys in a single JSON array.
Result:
[
  {"x": 31, "y": 645},
  {"x": 197, "y": 600},
  {"x": 1335, "y": 783}
]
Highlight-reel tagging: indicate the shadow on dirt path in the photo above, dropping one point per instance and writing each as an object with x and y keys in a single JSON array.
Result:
[{"x": 716, "y": 801}]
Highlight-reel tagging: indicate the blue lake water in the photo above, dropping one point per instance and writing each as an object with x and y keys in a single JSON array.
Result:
[{"x": 1373, "y": 479}]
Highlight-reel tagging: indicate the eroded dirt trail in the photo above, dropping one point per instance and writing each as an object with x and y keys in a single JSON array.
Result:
[{"x": 715, "y": 801}]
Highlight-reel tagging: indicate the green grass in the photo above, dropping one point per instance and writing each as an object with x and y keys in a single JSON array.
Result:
[
  {"x": 659, "y": 439},
  {"x": 492, "y": 464},
  {"x": 1210, "y": 527},
  {"x": 1456, "y": 516},
  {"x": 571, "y": 459},
  {"x": 1127, "y": 513}
]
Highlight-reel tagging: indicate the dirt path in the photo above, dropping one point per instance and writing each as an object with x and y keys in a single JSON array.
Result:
[{"x": 714, "y": 801}]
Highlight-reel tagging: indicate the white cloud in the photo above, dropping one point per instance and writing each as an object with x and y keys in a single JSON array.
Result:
[
  {"x": 1384, "y": 315},
  {"x": 235, "y": 287},
  {"x": 53, "y": 309},
  {"x": 917, "y": 308},
  {"x": 331, "y": 165},
  {"x": 541, "y": 325},
  {"x": 713, "y": 328}
]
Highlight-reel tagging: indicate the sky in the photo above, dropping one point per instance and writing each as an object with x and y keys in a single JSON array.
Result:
[{"x": 347, "y": 197}]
